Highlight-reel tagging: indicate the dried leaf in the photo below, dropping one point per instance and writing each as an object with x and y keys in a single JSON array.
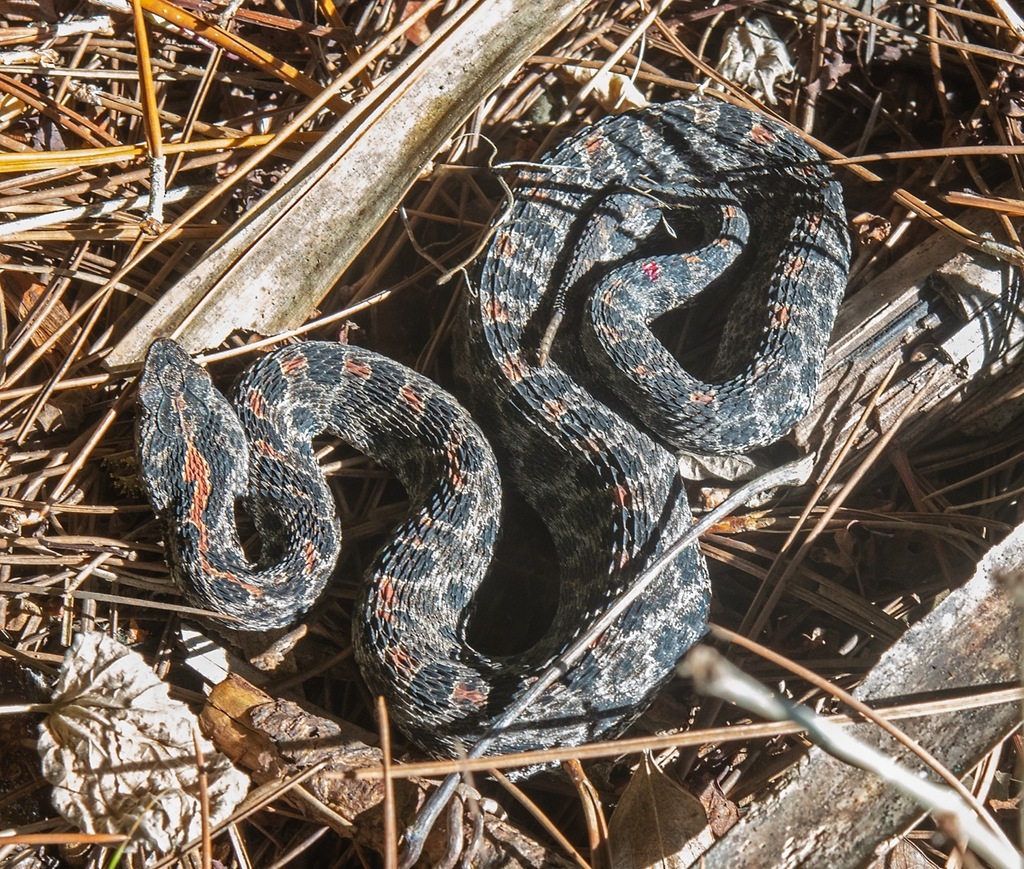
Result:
[
  {"x": 23, "y": 293},
  {"x": 905, "y": 855},
  {"x": 833, "y": 64},
  {"x": 870, "y": 229},
  {"x": 420, "y": 33},
  {"x": 120, "y": 754},
  {"x": 657, "y": 823},
  {"x": 613, "y": 91},
  {"x": 694, "y": 466},
  {"x": 722, "y": 812},
  {"x": 755, "y": 58}
]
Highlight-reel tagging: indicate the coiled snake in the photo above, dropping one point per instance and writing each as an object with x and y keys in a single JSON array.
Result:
[{"x": 596, "y": 243}]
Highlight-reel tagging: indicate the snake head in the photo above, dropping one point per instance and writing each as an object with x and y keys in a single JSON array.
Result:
[
  {"x": 182, "y": 420},
  {"x": 169, "y": 372}
]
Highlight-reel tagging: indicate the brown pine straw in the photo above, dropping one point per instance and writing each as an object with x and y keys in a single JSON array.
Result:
[
  {"x": 524, "y": 800},
  {"x": 206, "y": 849},
  {"x": 150, "y": 109},
  {"x": 866, "y": 712},
  {"x": 390, "y": 813},
  {"x": 593, "y": 813},
  {"x": 764, "y": 602},
  {"x": 691, "y": 738},
  {"x": 62, "y": 839}
]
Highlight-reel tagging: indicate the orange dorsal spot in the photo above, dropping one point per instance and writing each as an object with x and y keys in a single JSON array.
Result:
[
  {"x": 454, "y": 468},
  {"x": 504, "y": 246},
  {"x": 555, "y": 409},
  {"x": 514, "y": 369},
  {"x": 780, "y": 316},
  {"x": 622, "y": 497},
  {"x": 412, "y": 398},
  {"x": 386, "y": 599},
  {"x": 268, "y": 449},
  {"x": 495, "y": 311},
  {"x": 197, "y": 472},
  {"x": 227, "y": 576},
  {"x": 255, "y": 401},
  {"x": 400, "y": 660},
  {"x": 309, "y": 557},
  {"x": 358, "y": 369},
  {"x": 795, "y": 266},
  {"x": 294, "y": 365},
  {"x": 762, "y": 135},
  {"x": 464, "y": 695}
]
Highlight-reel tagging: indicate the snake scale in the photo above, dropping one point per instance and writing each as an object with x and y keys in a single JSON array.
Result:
[{"x": 626, "y": 220}]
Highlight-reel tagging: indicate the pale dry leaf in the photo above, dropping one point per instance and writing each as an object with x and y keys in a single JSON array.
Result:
[
  {"x": 694, "y": 466},
  {"x": 614, "y": 92},
  {"x": 120, "y": 752},
  {"x": 905, "y": 855},
  {"x": 755, "y": 58},
  {"x": 657, "y": 824}
]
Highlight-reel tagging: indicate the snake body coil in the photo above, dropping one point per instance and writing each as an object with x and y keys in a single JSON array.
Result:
[{"x": 595, "y": 241}]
